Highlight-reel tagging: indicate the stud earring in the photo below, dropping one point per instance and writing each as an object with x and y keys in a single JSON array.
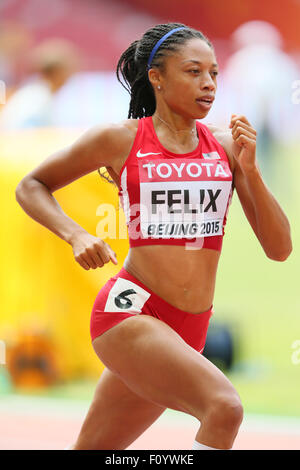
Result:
[{"x": 158, "y": 87}]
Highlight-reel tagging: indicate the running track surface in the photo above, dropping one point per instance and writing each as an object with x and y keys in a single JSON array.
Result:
[{"x": 31, "y": 423}]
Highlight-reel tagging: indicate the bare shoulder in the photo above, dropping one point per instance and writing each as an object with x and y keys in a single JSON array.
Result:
[
  {"x": 107, "y": 145},
  {"x": 113, "y": 139},
  {"x": 100, "y": 146},
  {"x": 125, "y": 130},
  {"x": 224, "y": 137}
]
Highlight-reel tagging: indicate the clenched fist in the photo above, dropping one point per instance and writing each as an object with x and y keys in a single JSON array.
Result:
[
  {"x": 91, "y": 252},
  {"x": 244, "y": 138}
]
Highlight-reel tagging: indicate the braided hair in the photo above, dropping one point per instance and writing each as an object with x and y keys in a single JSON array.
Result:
[{"x": 132, "y": 68}]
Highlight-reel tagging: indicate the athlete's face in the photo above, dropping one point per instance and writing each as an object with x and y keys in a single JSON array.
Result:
[{"x": 189, "y": 79}]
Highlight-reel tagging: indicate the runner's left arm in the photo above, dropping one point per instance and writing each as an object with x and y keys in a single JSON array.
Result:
[{"x": 265, "y": 215}]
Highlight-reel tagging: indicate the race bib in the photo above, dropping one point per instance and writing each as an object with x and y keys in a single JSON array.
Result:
[
  {"x": 183, "y": 199},
  {"x": 126, "y": 296}
]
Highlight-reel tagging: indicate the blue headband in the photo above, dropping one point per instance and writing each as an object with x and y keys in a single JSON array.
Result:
[{"x": 159, "y": 43}]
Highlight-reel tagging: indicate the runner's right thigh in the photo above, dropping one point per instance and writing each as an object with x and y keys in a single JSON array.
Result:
[{"x": 157, "y": 364}]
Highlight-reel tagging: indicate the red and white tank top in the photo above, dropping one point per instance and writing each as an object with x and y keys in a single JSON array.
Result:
[{"x": 175, "y": 199}]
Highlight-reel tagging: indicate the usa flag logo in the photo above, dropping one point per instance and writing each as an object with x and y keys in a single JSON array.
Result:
[{"x": 211, "y": 156}]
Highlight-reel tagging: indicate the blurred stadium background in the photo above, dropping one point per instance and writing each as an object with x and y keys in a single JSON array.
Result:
[{"x": 57, "y": 79}]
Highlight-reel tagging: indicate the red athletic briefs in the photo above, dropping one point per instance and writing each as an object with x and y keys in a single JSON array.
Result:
[{"x": 124, "y": 296}]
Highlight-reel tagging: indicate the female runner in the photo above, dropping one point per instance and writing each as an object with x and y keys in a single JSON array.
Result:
[{"x": 175, "y": 178}]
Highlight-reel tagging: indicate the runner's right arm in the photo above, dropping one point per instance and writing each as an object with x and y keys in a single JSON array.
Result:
[{"x": 98, "y": 147}]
